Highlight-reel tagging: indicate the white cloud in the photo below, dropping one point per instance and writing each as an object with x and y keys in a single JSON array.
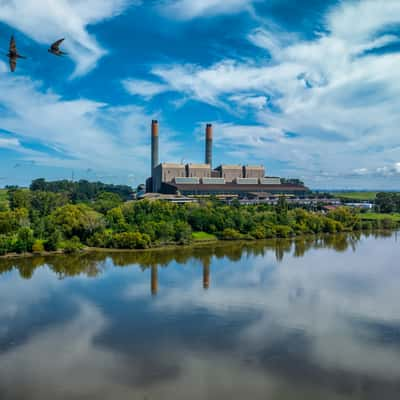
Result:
[
  {"x": 336, "y": 91},
  {"x": 3, "y": 67},
  {"x": 326, "y": 309},
  {"x": 9, "y": 143},
  {"x": 77, "y": 133},
  {"x": 188, "y": 9},
  {"x": 257, "y": 102},
  {"x": 47, "y": 20},
  {"x": 146, "y": 89}
]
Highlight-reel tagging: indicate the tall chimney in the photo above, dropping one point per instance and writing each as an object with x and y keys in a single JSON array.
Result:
[
  {"x": 154, "y": 151},
  {"x": 209, "y": 138}
]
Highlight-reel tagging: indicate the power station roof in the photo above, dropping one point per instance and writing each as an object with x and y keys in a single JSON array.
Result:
[
  {"x": 229, "y": 166},
  {"x": 258, "y": 167},
  {"x": 205, "y": 166},
  {"x": 233, "y": 187},
  {"x": 172, "y": 165}
]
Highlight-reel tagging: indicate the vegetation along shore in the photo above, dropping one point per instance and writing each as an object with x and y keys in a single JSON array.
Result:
[{"x": 70, "y": 216}]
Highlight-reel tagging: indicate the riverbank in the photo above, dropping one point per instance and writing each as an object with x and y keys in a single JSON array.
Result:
[
  {"x": 199, "y": 243},
  {"x": 194, "y": 244}
]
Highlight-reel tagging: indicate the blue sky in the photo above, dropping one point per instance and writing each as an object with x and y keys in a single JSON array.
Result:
[{"x": 310, "y": 88}]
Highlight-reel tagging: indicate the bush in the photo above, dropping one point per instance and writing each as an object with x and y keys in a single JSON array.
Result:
[
  {"x": 131, "y": 240},
  {"x": 38, "y": 246},
  {"x": 101, "y": 239},
  {"x": 72, "y": 246},
  {"x": 283, "y": 231},
  {"x": 258, "y": 232},
  {"x": 230, "y": 234}
]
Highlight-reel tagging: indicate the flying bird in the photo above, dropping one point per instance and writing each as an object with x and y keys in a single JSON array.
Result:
[
  {"x": 55, "y": 48},
  {"x": 13, "y": 54}
]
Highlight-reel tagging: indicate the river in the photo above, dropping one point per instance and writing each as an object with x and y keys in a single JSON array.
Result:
[{"x": 314, "y": 318}]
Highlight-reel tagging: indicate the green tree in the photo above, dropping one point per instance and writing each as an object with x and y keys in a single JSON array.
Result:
[
  {"x": 25, "y": 240},
  {"x": 52, "y": 243},
  {"x": 183, "y": 232},
  {"x": 106, "y": 201},
  {"x": 77, "y": 220},
  {"x": 6, "y": 244},
  {"x": 19, "y": 198}
]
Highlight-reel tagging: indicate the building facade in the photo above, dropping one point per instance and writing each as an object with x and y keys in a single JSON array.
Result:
[
  {"x": 253, "y": 171},
  {"x": 202, "y": 180},
  {"x": 230, "y": 172}
]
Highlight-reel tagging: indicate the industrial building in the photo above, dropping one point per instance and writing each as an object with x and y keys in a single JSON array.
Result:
[{"x": 202, "y": 180}]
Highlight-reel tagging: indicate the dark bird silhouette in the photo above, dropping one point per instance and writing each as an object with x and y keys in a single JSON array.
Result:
[
  {"x": 55, "y": 48},
  {"x": 13, "y": 54}
]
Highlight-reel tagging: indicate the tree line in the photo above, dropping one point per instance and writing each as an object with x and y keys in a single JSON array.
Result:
[
  {"x": 82, "y": 190},
  {"x": 91, "y": 264},
  {"x": 387, "y": 202},
  {"x": 38, "y": 220}
]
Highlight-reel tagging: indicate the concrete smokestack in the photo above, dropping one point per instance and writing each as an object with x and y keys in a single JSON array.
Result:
[
  {"x": 209, "y": 139},
  {"x": 154, "y": 150}
]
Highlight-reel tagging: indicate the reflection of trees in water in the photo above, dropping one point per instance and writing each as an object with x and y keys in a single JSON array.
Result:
[
  {"x": 90, "y": 265},
  {"x": 93, "y": 264}
]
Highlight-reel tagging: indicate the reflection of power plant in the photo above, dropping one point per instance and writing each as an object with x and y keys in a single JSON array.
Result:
[
  {"x": 202, "y": 179},
  {"x": 206, "y": 274},
  {"x": 154, "y": 276},
  {"x": 154, "y": 280}
]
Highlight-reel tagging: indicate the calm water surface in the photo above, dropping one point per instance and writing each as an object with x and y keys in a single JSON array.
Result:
[{"x": 310, "y": 319}]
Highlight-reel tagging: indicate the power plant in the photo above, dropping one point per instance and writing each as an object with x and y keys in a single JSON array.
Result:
[{"x": 202, "y": 180}]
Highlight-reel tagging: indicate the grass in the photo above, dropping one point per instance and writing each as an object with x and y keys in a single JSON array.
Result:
[
  {"x": 3, "y": 199},
  {"x": 357, "y": 196},
  {"x": 379, "y": 217},
  {"x": 203, "y": 236},
  {"x": 3, "y": 194}
]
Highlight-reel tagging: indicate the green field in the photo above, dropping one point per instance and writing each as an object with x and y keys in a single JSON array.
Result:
[
  {"x": 357, "y": 196},
  {"x": 3, "y": 199},
  {"x": 3, "y": 194},
  {"x": 203, "y": 236},
  {"x": 379, "y": 217}
]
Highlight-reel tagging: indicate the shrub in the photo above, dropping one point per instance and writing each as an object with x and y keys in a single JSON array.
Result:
[
  {"x": 258, "y": 232},
  {"x": 131, "y": 240},
  {"x": 38, "y": 246},
  {"x": 283, "y": 231},
  {"x": 72, "y": 246},
  {"x": 101, "y": 239},
  {"x": 230, "y": 234}
]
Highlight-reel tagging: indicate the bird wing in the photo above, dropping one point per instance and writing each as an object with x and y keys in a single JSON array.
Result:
[
  {"x": 55, "y": 46},
  {"x": 13, "y": 46},
  {"x": 13, "y": 64}
]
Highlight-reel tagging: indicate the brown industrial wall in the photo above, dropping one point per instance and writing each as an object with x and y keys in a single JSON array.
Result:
[
  {"x": 166, "y": 173},
  {"x": 231, "y": 173},
  {"x": 253, "y": 172},
  {"x": 201, "y": 172}
]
